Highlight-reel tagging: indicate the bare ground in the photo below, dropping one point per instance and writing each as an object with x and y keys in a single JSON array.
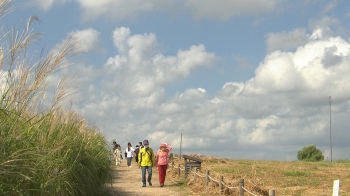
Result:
[{"x": 127, "y": 181}]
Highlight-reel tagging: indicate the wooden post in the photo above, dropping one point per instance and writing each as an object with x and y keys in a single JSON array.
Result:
[
  {"x": 195, "y": 175},
  {"x": 178, "y": 170},
  {"x": 336, "y": 185},
  {"x": 241, "y": 185},
  {"x": 271, "y": 192},
  {"x": 207, "y": 178},
  {"x": 220, "y": 184}
]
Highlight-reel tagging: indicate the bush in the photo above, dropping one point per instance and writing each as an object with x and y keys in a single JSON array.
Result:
[{"x": 310, "y": 153}]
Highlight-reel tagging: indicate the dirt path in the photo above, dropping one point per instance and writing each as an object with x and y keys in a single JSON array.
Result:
[{"x": 127, "y": 181}]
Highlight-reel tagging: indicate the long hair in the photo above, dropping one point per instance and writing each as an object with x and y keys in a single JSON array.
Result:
[{"x": 129, "y": 145}]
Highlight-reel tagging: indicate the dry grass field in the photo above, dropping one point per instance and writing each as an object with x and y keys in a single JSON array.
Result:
[{"x": 286, "y": 178}]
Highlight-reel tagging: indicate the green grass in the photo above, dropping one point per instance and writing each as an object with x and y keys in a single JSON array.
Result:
[
  {"x": 342, "y": 161},
  {"x": 44, "y": 149},
  {"x": 295, "y": 173},
  {"x": 226, "y": 170},
  {"x": 181, "y": 183}
]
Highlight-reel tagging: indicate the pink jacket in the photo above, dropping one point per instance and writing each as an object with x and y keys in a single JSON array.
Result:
[{"x": 162, "y": 155}]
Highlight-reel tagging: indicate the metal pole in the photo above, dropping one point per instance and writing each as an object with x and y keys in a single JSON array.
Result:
[
  {"x": 180, "y": 145},
  {"x": 330, "y": 124}
]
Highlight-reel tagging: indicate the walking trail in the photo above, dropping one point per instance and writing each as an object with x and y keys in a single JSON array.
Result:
[{"x": 127, "y": 181}]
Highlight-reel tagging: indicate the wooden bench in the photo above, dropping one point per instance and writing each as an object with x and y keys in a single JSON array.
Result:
[{"x": 190, "y": 163}]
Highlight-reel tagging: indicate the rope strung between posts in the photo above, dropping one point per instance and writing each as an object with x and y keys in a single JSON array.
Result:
[
  {"x": 203, "y": 176},
  {"x": 178, "y": 168},
  {"x": 229, "y": 187},
  {"x": 249, "y": 192},
  {"x": 213, "y": 179}
]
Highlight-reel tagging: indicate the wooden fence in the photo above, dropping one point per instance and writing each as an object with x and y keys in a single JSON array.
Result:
[{"x": 220, "y": 181}]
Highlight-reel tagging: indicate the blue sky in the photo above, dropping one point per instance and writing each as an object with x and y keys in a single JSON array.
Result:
[{"x": 247, "y": 79}]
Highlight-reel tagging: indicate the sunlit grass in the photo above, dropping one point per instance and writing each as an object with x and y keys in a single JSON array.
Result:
[{"x": 44, "y": 149}]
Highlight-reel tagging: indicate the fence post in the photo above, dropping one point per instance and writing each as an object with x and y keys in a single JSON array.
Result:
[
  {"x": 241, "y": 185},
  {"x": 178, "y": 170},
  {"x": 171, "y": 157},
  {"x": 271, "y": 192},
  {"x": 207, "y": 178},
  {"x": 220, "y": 184},
  {"x": 195, "y": 175}
]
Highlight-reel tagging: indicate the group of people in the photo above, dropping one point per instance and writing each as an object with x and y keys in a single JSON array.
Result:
[{"x": 145, "y": 158}]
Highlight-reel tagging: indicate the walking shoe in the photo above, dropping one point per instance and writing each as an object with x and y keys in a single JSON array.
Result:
[
  {"x": 161, "y": 185},
  {"x": 144, "y": 185},
  {"x": 150, "y": 183}
]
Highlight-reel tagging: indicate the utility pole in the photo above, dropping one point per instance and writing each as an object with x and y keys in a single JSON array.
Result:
[
  {"x": 330, "y": 124},
  {"x": 180, "y": 145}
]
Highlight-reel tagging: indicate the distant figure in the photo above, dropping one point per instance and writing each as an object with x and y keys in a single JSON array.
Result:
[
  {"x": 129, "y": 154},
  {"x": 146, "y": 159},
  {"x": 116, "y": 156},
  {"x": 140, "y": 145},
  {"x": 117, "y": 153},
  {"x": 162, "y": 161},
  {"x": 136, "y": 153}
]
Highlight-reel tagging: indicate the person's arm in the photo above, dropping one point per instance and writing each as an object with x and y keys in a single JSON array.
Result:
[
  {"x": 157, "y": 157},
  {"x": 152, "y": 157},
  {"x": 169, "y": 147},
  {"x": 140, "y": 158}
]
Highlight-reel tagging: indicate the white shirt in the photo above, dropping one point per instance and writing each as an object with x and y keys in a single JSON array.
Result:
[{"x": 129, "y": 153}]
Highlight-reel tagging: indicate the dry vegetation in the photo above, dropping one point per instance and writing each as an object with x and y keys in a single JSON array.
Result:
[{"x": 286, "y": 178}]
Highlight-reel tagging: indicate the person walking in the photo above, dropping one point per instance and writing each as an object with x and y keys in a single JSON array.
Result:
[
  {"x": 140, "y": 145},
  {"x": 117, "y": 154},
  {"x": 136, "y": 153},
  {"x": 129, "y": 154},
  {"x": 146, "y": 159},
  {"x": 162, "y": 161}
]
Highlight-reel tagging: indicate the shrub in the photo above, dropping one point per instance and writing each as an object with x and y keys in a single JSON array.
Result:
[{"x": 310, "y": 153}]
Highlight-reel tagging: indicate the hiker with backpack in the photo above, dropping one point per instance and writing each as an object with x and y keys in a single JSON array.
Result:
[
  {"x": 162, "y": 161},
  {"x": 145, "y": 162}
]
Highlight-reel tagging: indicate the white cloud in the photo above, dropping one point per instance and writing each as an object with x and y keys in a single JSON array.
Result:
[
  {"x": 227, "y": 8},
  {"x": 121, "y": 9},
  {"x": 124, "y": 9},
  {"x": 285, "y": 103},
  {"x": 286, "y": 40},
  {"x": 88, "y": 39}
]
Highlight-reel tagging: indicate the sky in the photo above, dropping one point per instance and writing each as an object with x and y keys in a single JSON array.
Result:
[{"x": 243, "y": 79}]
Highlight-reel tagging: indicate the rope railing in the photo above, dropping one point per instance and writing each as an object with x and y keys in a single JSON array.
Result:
[
  {"x": 249, "y": 192},
  {"x": 221, "y": 183}
]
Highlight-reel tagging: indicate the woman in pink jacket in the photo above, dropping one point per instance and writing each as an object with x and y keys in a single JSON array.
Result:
[{"x": 162, "y": 161}]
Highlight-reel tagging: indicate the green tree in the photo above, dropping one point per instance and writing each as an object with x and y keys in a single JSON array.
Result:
[{"x": 310, "y": 153}]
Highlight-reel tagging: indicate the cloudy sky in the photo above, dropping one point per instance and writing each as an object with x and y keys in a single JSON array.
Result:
[{"x": 245, "y": 79}]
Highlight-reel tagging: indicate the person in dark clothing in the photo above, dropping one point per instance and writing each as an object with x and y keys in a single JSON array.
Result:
[
  {"x": 136, "y": 153},
  {"x": 141, "y": 145}
]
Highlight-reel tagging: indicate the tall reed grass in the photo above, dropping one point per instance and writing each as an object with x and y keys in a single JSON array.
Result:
[{"x": 44, "y": 149}]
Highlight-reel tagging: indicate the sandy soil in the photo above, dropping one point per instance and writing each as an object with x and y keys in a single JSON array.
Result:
[{"x": 127, "y": 181}]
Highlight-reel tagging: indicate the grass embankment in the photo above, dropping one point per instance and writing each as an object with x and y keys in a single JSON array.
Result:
[
  {"x": 44, "y": 149},
  {"x": 286, "y": 178}
]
